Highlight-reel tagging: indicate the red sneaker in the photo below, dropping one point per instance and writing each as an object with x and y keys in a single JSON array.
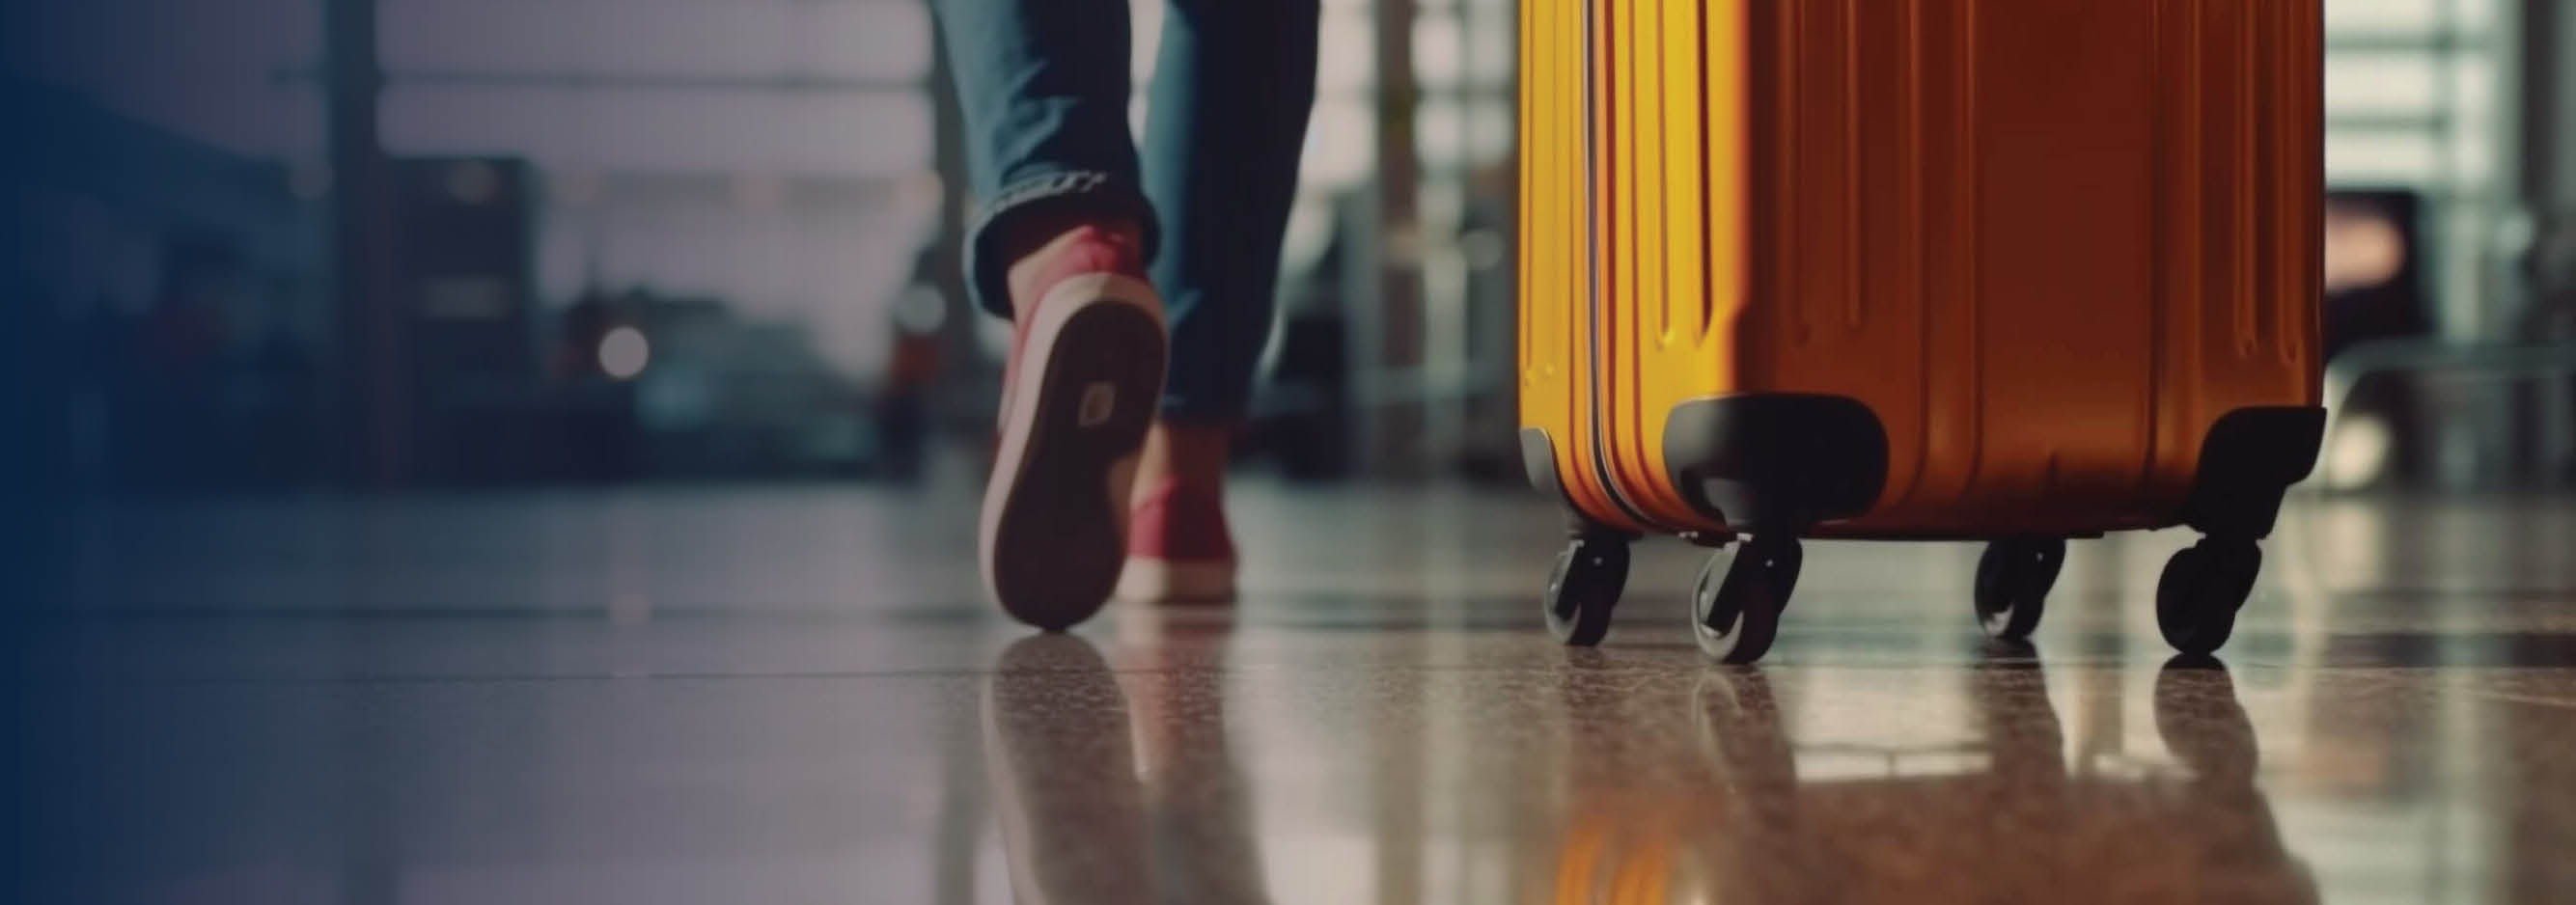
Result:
[
  {"x": 1082, "y": 385},
  {"x": 1177, "y": 548}
]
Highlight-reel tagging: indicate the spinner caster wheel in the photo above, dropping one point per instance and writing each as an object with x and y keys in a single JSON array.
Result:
[
  {"x": 2202, "y": 588},
  {"x": 2013, "y": 578},
  {"x": 1735, "y": 615},
  {"x": 1584, "y": 587}
]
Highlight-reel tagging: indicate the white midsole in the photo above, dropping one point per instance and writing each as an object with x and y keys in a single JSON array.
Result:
[{"x": 1019, "y": 418}]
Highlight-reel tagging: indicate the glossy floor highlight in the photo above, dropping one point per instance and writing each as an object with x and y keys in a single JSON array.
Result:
[{"x": 796, "y": 695}]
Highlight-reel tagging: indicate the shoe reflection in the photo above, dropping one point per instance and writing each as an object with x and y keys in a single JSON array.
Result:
[
  {"x": 1103, "y": 802},
  {"x": 1999, "y": 818}
]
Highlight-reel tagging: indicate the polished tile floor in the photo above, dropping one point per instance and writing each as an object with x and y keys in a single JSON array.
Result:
[{"x": 785, "y": 695}]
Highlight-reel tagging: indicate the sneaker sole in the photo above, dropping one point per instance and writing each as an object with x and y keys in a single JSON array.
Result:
[{"x": 1089, "y": 382}]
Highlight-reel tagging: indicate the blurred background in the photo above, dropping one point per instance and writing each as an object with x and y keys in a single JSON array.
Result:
[
  {"x": 330, "y": 320},
  {"x": 280, "y": 245}
]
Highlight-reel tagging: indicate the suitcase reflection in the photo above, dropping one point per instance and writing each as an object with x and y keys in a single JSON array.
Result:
[
  {"x": 1125, "y": 788},
  {"x": 2002, "y": 819}
]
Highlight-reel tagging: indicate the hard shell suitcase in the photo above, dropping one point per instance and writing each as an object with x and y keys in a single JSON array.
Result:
[{"x": 2005, "y": 270}]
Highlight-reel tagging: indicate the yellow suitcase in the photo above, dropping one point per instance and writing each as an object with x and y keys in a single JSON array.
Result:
[{"x": 2005, "y": 270}]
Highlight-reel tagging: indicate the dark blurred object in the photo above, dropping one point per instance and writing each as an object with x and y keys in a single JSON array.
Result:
[
  {"x": 168, "y": 393},
  {"x": 2548, "y": 435},
  {"x": 2410, "y": 407},
  {"x": 902, "y": 410},
  {"x": 1302, "y": 421},
  {"x": 1302, "y": 411},
  {"x": 641, "y": 383},
  {"x": 2376, "y": 293},
  {"x": 1489, "y": 448},
  {"x": 463, "y": 269},
  {"x": 594, "y": 421},
  {"x": 173, "y": 282},
  {"x": 2374, "y": 262},
  {"x": 466, "y": 269}
]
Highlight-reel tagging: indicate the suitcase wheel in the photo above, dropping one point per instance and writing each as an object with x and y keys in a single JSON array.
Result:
[
  {"x": 2013, "y": 578},
  {"x": 1584, "y": 587},
  {"x": 2201, "y": 590},
  {"x": 1736, "y": 613}
]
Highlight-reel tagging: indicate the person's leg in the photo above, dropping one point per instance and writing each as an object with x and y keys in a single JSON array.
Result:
[
  {"x": 1058, "y": 244},
  {"x": 1225, "y": 123},
  {"x": 1043, "y": 87}
]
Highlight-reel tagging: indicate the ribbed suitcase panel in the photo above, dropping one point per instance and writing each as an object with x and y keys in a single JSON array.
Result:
[
  {"x": 1541, "y": 311},
  {"x": 1859, "y": 258},
  {"x": 2238, "y": 218},
  {"x": 1676, "y": 212},
  {"x": 2048, "y": 243},
  {"x": 1556, "y": 371},
  {"x": 2046, "y": 264}
]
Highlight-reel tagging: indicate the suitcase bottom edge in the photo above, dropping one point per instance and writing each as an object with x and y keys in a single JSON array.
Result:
[{"x": 1800, "y": 463}]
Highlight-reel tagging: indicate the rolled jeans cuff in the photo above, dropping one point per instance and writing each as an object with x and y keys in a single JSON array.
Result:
[{"x": 988, "y": 271}]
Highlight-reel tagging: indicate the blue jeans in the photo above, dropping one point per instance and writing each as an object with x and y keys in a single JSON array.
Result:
[{"x": 1044, "y": 87}]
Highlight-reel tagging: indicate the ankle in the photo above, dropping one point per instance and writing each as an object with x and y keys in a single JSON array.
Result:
[
  {"x": 1182, "y": 523},
  {"x": 1039, "y": 253},
  {"x": 1192, "y": 455}
]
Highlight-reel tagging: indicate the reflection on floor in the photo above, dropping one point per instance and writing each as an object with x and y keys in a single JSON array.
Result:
[{"x": 793, "y": 695}]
